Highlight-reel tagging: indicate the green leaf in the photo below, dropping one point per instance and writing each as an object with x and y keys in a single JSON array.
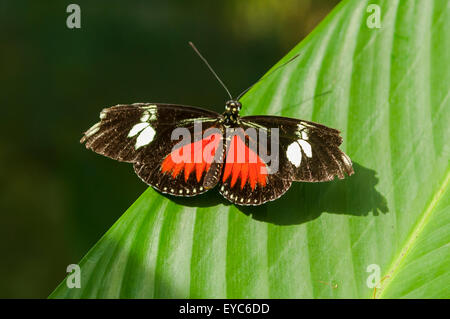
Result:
[{"x": 387, "y": 90}]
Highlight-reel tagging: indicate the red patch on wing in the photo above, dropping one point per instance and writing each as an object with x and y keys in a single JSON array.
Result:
[
  {"x": 242, "y": 162},
  {"x": 194, "y": 157}
]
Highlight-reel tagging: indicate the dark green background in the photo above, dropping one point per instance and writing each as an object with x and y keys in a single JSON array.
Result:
[{"x": 57, "y": 198}]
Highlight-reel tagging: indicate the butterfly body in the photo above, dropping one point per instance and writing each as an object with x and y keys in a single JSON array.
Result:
[{"x": 186, "y": 151}]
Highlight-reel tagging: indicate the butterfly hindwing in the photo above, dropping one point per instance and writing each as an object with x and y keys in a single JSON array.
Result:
[
  {"x": 173, "y": 167},
  {"x": 260, "y": 194},
  {"x": 248, "y": 178}
]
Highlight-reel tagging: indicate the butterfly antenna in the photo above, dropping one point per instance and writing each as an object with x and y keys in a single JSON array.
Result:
[
  {"x": 210, "y": 68},
  {"x": 284, "y": 64}
]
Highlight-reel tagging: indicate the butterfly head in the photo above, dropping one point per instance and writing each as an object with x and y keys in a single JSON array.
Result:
[
  {"x": 231, "y": 113},
  {"x": 233, "y": 107}
]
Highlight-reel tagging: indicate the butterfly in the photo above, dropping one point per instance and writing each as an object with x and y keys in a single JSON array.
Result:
[{"x": 186, "y": 151}]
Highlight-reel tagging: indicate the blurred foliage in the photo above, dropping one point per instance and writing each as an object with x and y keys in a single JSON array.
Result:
[{"x": 55, "y": 81}]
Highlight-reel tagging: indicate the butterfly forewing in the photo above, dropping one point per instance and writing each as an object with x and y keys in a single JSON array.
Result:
[
  {"x": 124, "y": 131},
  {"x": 142, "y": 134},
  {"x": 308, "y": 151}
]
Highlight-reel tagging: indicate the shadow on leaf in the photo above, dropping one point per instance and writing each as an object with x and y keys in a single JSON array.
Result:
[{"x": 355, "y": 195}]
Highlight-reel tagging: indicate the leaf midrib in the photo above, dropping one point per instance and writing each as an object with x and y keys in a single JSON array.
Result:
[{"x": 412, "y": 239}]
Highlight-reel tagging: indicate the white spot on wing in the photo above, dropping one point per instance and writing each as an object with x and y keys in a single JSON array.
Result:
[
  {"x": 152, "y": 114},
  {"x": 145, "y": 137},
  {"x": 306, "y": 124},
  {"x": 145, "y": 116},
  {"x": 304, "y": 136},
  {"x": 346, "y": 160},
  {"x": 306, "y": 147},
  {"x": 94, "y": 129},
  {"x": 137, "y": 128},
  {"x": 294, "y": 154}
]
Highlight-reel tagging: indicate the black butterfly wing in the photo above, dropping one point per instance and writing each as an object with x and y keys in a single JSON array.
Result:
[
  {"x": 189, "y": 177},
  {"x": 141, "y": 133},
  {"x": 306, "y": 151},
  {"x": 247, "y": 195},
  {"x": 247, "y": 178},
  {"x": 119, "y": 136},
  {"x": 309, "y": 151}
]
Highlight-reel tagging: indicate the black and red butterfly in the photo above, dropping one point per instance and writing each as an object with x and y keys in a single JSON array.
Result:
[{"x": 143, "y": 134}]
